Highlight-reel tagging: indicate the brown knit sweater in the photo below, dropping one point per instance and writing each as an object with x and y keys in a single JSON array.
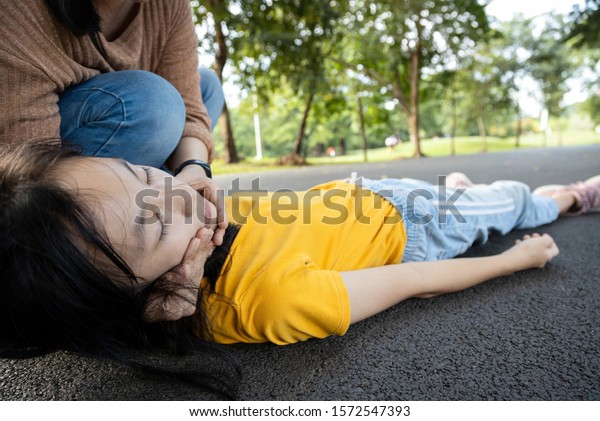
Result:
[{"x": 39, "y": 58}]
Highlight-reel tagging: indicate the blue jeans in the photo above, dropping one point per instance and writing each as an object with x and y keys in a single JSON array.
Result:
[
  {"x": 131, "y": 114},
  {"x": 439, "y": 227}
]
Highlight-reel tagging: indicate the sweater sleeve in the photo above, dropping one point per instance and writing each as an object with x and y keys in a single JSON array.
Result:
[
  {"x": 179, "y": 65},
  {"x": 29, "y": 105}
]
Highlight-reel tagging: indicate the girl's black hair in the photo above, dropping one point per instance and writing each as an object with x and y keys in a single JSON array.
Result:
[
  {"x": 51, "y": 294},
  {"x": 78, "y": 16}
]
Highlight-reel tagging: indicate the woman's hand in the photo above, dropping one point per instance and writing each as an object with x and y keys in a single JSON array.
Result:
[
  {"x": 177, "y": 290},
  {"x": 195, "y": 176},
  {"x": 533, "y": 251}
]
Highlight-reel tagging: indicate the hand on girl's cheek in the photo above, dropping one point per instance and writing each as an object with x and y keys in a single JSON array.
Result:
[
  {"x": 184, "y": 280},
  {"x": 199, "y": 249}
]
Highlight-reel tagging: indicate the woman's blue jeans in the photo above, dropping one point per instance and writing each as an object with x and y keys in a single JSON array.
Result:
[{"x": 132, "y": 114}]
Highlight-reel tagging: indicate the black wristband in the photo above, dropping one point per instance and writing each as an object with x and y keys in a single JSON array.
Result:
[{"x": 203, "y": 164}]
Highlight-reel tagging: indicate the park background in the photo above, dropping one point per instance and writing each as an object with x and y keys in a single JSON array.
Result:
[
  {"x": 443, "y": 77},
  {"x": 530, "y": 336}
]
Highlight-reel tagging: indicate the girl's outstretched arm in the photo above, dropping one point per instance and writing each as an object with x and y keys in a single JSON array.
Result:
[{"x": 373, "y": 290}]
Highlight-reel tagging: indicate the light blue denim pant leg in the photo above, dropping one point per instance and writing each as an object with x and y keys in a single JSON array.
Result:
[
  {"x": 442, "y": 223},
  {"x": 132, "y": 114},
  {"x": 212, "y": 94}
]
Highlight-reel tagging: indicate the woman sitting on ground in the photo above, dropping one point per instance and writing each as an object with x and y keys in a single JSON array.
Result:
[{"x": 90, "y": 248}]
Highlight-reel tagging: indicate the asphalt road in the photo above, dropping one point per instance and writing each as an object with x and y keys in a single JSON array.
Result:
[
  {"x": 530, "y": 336},
  {"x": 534, "y": 167}
]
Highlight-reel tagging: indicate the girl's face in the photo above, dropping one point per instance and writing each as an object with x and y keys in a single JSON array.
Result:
[{"x": 150, "y": 217}]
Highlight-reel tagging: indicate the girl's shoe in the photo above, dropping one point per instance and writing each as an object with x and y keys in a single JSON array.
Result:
[{"x": 586, "y": 193}]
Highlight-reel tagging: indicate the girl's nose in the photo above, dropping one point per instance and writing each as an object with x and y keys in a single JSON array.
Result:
[{"x": 179, "y": 201}]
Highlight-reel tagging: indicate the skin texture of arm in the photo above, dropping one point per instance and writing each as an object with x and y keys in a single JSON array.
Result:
[{"x": 373, "y": 290}]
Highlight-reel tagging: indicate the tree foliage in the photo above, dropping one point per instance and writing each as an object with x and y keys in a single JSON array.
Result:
[
  {"x": 550, "y": 64},
  {"x": 585, "y": 29},
  {"x": 442, "y": 64},
  {"x": 219, "y": 15},
  {"x": 584, "y": 33},
  {"x": 285, "y": 42},
  {"x": 394, "y": 42}
]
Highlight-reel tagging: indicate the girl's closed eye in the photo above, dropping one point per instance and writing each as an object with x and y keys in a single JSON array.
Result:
[
  {"x": 164, "y": 230},
  {"x": 149, "y": 176}
]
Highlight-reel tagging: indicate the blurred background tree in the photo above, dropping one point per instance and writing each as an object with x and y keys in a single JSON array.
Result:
[
  {"x": 584, "y": 33},
  {"x": 551, "y": 65},
  {"x": 348, "y": 74},
  {"x": 217, "y": 15},
  {"x": 392, "y": 42},
  {"x": 286, "y": 43},
  {"x": 585, "y": 27}
]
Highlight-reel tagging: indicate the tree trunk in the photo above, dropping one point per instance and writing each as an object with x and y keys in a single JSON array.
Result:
[
  {"x": 300, "y": 137},
  {"x": 363, "y": 136},
  {"x": 519, "y": 128},
  {"x": 482, "y": 132},
  {"x": 413, "y": 117},
  {"x": 545, "y": 139},
  {"x": 231, "y": 155},
  {"x": 454, "y": 124},
  {"x": 413, "y": 125}
]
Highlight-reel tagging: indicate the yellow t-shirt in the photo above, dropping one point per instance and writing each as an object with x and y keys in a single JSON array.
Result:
[{"x": 281, "y": 282}]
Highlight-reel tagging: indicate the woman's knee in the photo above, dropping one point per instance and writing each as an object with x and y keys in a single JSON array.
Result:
[
  {"x": 142, "y": 96},
  {"x": 133, "y": 114},
  {"x": 155, "y": 103}
]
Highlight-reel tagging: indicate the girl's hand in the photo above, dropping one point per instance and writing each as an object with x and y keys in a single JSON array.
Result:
[
  {"x": 533, "y": 251},
  {"x": 196, "y": 177},
  {"x": 177, "y": 290}
]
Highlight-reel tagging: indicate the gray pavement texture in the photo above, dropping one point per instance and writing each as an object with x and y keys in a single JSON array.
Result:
[{"x": 534, "y": 335}]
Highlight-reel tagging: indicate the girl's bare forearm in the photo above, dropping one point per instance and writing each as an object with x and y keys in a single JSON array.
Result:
[
  {"x": 446, "y": 276},
  {"x": 373, "y": 290}
]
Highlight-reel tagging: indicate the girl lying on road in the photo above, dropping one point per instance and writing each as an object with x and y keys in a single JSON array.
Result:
[{"x": 98, "y": 254}]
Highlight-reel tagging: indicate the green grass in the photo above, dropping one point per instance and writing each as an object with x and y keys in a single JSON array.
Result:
[
  {"x": 430, "y": 147},
  {"x": 248, "y": 165}
]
